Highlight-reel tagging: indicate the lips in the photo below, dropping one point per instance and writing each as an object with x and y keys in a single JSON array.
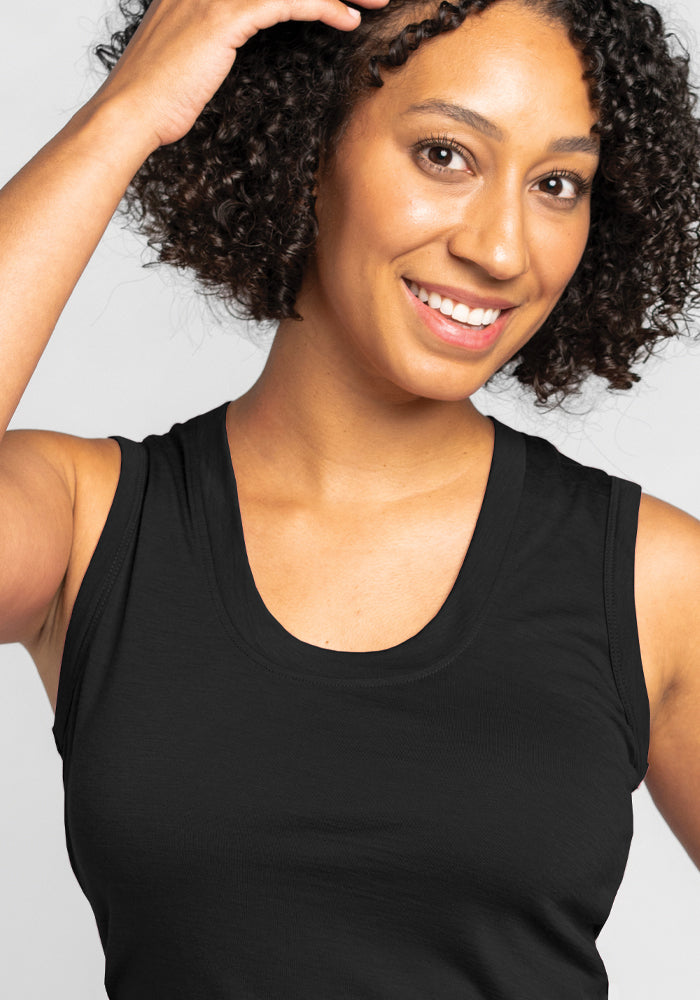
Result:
[
  {"x": 473, "y": 300},
  {"x": 475, "y": 318},
  {"x": 450, "y": 331}
]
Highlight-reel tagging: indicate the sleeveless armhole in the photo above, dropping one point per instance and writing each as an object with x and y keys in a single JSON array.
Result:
[
  {"x": 623, "y": 636},
  {"x": 112, "y": 546}
]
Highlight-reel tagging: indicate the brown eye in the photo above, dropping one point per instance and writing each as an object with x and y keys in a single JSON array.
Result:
[
  {"x": 440, "y": 156},
  {"x": 553, "y": 185},
  {"x": 561, "y": 187}
]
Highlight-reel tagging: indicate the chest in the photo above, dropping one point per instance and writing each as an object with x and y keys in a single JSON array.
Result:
[
  {"x": 374, "y": 580},
  {"x": 366, "y": 581},
  {"x": 406, "y": 820}
]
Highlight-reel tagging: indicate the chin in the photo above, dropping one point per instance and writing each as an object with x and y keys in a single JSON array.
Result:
[{"x": 437, "y": 385}]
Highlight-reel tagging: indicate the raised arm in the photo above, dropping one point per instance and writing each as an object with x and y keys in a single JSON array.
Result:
[{"x": 52, "y": 216}]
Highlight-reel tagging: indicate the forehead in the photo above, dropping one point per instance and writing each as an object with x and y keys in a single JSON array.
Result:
[{"x": 509, "y": 63}]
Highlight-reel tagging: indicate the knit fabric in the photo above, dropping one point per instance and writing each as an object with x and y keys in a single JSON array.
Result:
[{"x": 252, "y": 817}]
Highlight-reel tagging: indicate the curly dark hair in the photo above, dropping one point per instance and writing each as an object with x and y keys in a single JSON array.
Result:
[{"x": 233, "y": 200}]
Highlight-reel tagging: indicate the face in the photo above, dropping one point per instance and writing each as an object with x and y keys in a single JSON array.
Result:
[{"x": 465, "y": 181}]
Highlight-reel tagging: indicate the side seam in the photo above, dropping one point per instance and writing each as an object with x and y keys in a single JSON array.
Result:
[{"x": 620, "y": 611}]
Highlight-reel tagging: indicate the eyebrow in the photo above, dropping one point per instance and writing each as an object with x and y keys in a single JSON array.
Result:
[{"x": 472, "y": 119}]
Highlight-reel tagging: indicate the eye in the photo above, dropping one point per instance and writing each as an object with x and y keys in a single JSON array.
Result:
[
  {"x": 441, "y": 154},
  {"x": 564, "y": 186}
]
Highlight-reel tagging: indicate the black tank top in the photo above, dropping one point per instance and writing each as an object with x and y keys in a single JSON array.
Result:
[{"x": 253, "y": 817}]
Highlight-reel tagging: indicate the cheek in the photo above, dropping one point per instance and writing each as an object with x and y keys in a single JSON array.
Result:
[
  {"x": 561, "y": 254},
  {"x": 383, "y": 214}
]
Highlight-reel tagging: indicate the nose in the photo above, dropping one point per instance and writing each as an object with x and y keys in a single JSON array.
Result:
[{"x": 492, "y": 234}]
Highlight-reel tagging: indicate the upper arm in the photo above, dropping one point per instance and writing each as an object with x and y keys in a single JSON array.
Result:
[
  {"x": 37, "y": 495},
  {"x": 668, "y": 581}
]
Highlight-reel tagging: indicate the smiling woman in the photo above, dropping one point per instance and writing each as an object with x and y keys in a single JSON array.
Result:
[{"x": 352, "y": 683}]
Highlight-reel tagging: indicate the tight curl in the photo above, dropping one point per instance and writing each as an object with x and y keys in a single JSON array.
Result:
[{"x": 233, "y": 200}]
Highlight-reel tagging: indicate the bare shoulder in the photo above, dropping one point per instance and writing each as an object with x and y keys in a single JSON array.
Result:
[
  {"x": 96, "y": 466},
  {"x": 75, "y": 459},
  {"x": 667, "y": 596},
  {"x": 667, "y": 591},
  {"x": 97, "y": 463},
  {"x": 662, "y": 525},
  {"x": 667, "y": 586}
]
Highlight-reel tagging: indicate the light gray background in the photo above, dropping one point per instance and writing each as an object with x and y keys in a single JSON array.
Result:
[{"x": 134, "y": 352}]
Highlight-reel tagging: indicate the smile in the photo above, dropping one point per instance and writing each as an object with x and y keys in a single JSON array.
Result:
[
  {"x": 477, "y": 319},
  {"x": 441, "y": 315}
]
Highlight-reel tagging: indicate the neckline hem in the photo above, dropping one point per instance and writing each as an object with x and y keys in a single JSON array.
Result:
[{"x": 253, "y": 626}]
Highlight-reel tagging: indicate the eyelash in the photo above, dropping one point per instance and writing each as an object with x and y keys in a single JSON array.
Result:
[{"x": 583, "y": 186}]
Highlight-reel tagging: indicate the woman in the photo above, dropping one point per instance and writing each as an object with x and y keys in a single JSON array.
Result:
[{"x": 352, "y": 683}]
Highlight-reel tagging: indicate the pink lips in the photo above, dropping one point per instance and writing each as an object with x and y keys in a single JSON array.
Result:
[
  {"x": 452, "y": 332},
  {"x": 470, "y": 299}
]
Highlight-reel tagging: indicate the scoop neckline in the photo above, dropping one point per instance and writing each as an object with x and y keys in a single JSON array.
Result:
[{"x": 450, "y": 629}]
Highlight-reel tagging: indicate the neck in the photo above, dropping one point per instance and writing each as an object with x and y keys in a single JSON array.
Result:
[{"x": 332, "y": 430}]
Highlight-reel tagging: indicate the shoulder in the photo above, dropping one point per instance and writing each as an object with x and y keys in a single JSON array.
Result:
[
  {"x": 555, "y": 477},
  {"x": 96, "y": 466},
  {"x": 667, "y": 589},
  {"x": 61, "y": 487},
  {"x": 666, "y": 569},
  {"x": 667, "y": 586},
  {"x": 661, "y": 521}
]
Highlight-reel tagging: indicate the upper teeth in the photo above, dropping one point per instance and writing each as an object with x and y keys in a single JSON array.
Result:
[{"x": 457, "y": 310}]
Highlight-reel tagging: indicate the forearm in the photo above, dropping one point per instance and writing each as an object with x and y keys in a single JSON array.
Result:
[{"x": 52, "y": 216}]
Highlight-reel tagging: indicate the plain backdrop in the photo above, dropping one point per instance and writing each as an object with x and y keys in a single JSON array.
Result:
[{"x": 135, "y": 351}]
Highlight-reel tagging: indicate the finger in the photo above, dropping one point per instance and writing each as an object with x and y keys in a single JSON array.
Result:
[{"x": 332, "y": 12}]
